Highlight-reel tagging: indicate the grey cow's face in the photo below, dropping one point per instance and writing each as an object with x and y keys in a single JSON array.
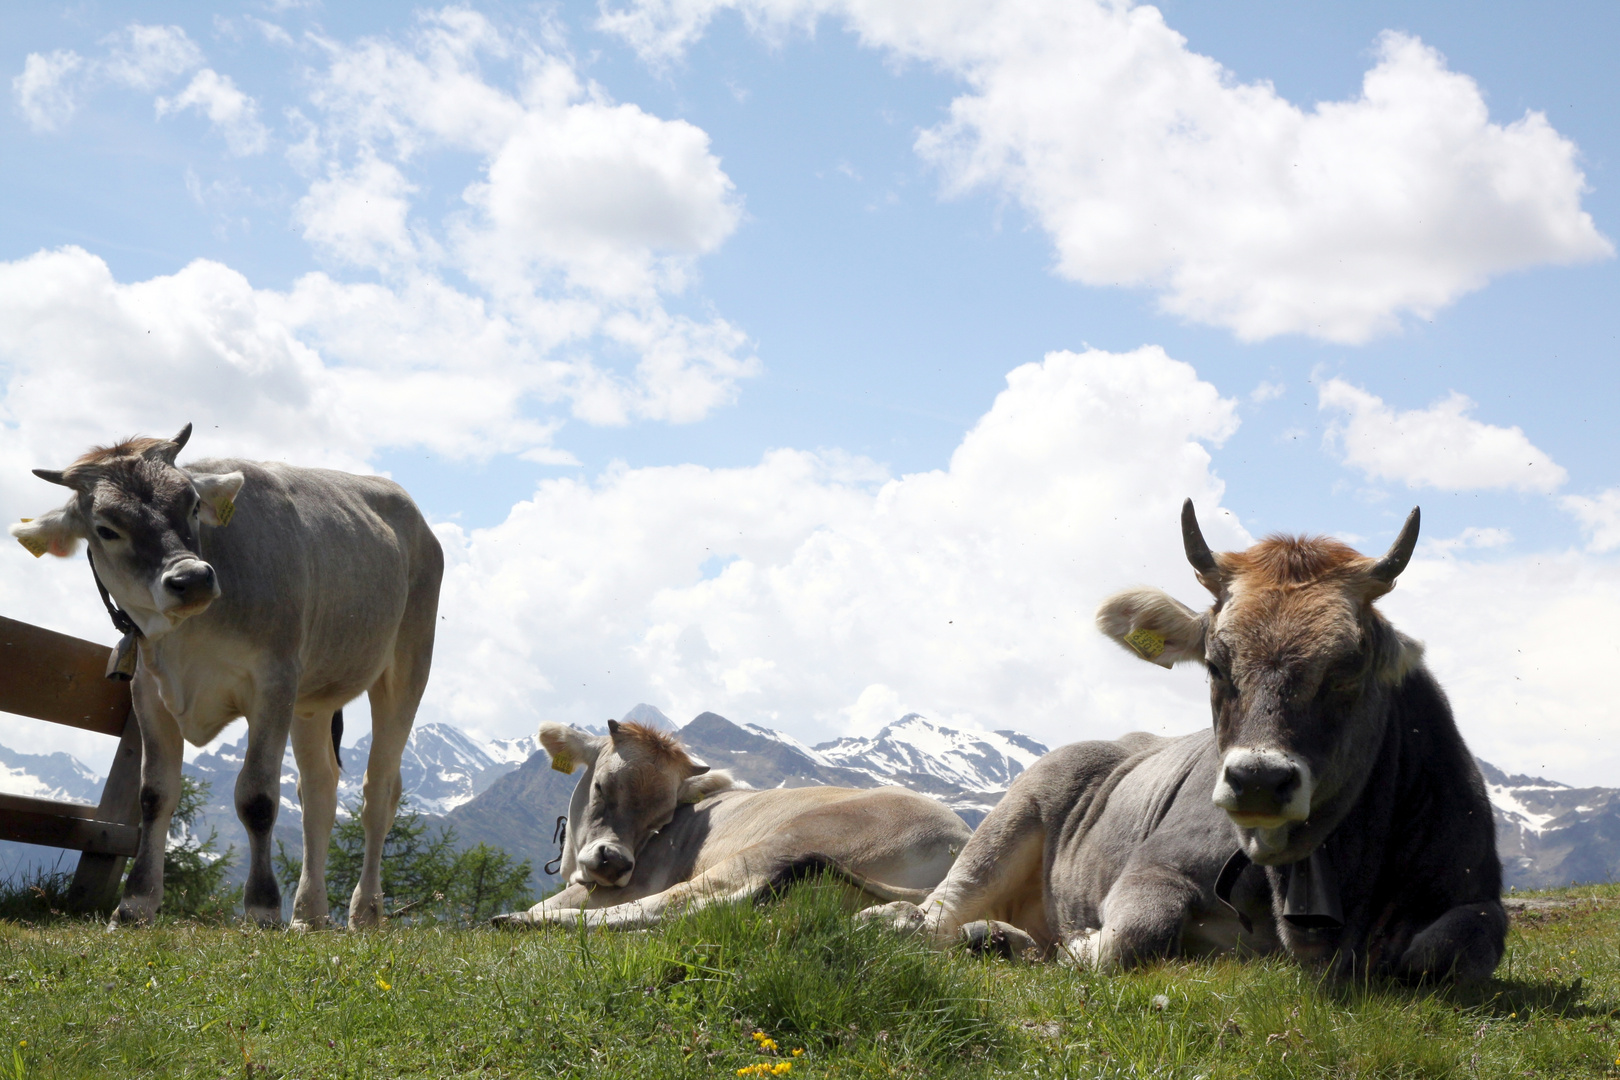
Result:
[
  {"x": 1294, "y": 696},
  {"x": 636, "y": 780},
  {"x": 142, "y": 516}
]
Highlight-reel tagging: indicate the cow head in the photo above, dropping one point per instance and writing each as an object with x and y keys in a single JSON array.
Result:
[
  {"x": 635, "y": 778},
  {"x": 141, "y": 515},
  {"x": 1300, "y": 669}
]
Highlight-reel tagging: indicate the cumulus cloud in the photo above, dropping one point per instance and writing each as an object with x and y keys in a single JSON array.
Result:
[
  {"x": 588, "y": 214},
  {"x": 359, "y": 215},
  {"x": 1149, "y": 165},
  {"x": 232, "y": 113},
  {"x": 1438, "y": 447},
  {"x": 967, "y": 591}
]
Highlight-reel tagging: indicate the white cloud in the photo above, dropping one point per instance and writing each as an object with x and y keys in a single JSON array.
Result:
[
  {"x": 1524, "y": 647},
  {"x": 1266, "y": 391},
  {"x": 587, "y": 216},
  {"x": 616, "y": 198},
  {"x": 1599, "y": 518},
  {"x": 1438, "y": 447},
  {"x": 138, "y": 57},
  {"x": 232, "y": 113},
  {"x": 1152, "y": 166},
  {"x": 358, "y": 216},
  {"x": 146, "y": 57},
  {"x": 46, "y": 90},
  {"x": 967, "y": 591}
]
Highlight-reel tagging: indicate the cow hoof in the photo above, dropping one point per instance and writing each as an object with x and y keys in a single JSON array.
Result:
[
  {"x": 1084, "y": 950},
  {"x": 987, "y": 937},
  {"x": 262, "y": 916},
  {"x": 366, "y": 915},
  {"x": 303, "y": 925},
  {"x": 132, "y": 914},
  {"x": 515, "y": 920},
  {"x": 900, "y": 916}
]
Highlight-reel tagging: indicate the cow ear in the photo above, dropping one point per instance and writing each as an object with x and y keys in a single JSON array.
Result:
[
  {"x": 1154, "y": 625},
  {"x": 568, "y": 746},
  {"x": 697, "y": 788},
  {"x": 57, "y": 532},
  {"x": 218, "y": 494},
  {"x": 1395, "y": 656}
]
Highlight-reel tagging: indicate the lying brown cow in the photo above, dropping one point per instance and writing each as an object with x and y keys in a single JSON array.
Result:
[{"x": 653, "y": 831}]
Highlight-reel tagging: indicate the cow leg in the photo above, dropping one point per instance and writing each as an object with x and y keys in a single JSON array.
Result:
[
  {"x": 394, "y": 698},
  {"x": 258, "y": 796},
  {"x": 1465, "y": 944},
  {"x": 317, "y": 796},
  {"x": 1143, "y": 917},
  {"x": 161, "y": 756},
  {"x": 997, "y": 879},
  {"x": 572, "y": 897},
  {"x": 747, "y": 875}
]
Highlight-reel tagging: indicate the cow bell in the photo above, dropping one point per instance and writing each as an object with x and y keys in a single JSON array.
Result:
[{"x": 121, "y": 662}]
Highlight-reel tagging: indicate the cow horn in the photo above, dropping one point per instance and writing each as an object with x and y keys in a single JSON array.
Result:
[
  {"x": 53, "y": 476},
  {"x": 168, "y": 451},
  {"x": 1394, "y": 561},
  {"x": 1198, "y": 553}
]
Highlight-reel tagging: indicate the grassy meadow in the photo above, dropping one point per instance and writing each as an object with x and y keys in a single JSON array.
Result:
[{"x": 790, "y": 988}]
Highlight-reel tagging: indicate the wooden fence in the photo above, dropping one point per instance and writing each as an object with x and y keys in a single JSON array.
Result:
[{"x": 51, "y": 676}]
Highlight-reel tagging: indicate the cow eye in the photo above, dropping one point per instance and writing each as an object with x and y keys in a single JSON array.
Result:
[
  {"x": 106, "y": 533},
  {"x": 1215, "y": 671}
]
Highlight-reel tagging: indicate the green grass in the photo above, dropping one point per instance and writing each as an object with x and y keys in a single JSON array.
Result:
[{"x": 187, "y": 999}]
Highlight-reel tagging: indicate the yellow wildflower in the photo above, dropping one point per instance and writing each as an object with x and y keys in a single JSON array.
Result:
[
  {"x": 799, "y": 1051},
  {"x": 382, "y": 984}
]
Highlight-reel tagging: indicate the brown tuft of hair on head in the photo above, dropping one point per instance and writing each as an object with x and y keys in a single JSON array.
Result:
[
  {"x": 1292, "y": 560},
  {"x": 655, "y": 741}
]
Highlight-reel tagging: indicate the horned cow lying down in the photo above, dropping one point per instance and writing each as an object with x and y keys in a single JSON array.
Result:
[
  {"x": 650, "y": 830},
  {"x": 1331, "y": 810}
]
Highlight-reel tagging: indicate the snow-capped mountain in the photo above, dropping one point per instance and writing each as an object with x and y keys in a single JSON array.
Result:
[
  {"x": 1549, "y": 833},
  {"x": 503, "y": 791},
  {"x": 59, "y": 777},
  {"x": 916, "y": 746}
]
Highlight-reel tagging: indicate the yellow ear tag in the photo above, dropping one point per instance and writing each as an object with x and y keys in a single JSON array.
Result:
[
  {"x": 562, "y": 762},
  {"x": 225, "y": 509},
  {"x": 36, "y": 545},
  {"x": 1146, "y": 643}
]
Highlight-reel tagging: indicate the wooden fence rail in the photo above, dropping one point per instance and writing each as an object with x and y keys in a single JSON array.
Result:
[{"x": 51, "y": 676}]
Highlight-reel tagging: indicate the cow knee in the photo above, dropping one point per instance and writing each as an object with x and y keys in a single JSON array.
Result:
[
  {"x": 258, "y": 813},
  {"x": 1464, "y": 945}
]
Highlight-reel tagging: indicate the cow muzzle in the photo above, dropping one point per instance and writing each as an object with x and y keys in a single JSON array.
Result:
[
  {"x": 1264, "y": 789},
  {"x": 607, "y": 864},
  {"x": 186, "y": 588}
]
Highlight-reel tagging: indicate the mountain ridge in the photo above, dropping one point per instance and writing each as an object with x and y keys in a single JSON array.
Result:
[{"x": 503, "y": 791}]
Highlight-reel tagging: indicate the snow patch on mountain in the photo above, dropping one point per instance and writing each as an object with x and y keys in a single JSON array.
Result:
[
  {"x": 915, "y": 745},
  {"x": 59, "y": 777}
]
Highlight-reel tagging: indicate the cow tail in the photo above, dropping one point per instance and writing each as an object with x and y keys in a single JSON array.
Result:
[
  {"x": 337, "y": 738},
  {"x": 809, "y": 865}
]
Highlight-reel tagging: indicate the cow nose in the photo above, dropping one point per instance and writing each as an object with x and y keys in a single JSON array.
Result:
[
  {"x": 1267, "y": 778},
  {"x": 608, "y": 863},
  {"x": 1264, "y": 783},
  {"x": 189, "y": 580}
]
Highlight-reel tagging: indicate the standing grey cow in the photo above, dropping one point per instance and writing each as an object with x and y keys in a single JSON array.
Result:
[
  {"x": 1332, "y": 812},
  {"x": 653, "y": 831},
  {"x": 323, "y": 586}
]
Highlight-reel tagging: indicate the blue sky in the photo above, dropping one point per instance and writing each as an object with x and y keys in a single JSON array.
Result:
[{"x": 692, "y": 324}]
